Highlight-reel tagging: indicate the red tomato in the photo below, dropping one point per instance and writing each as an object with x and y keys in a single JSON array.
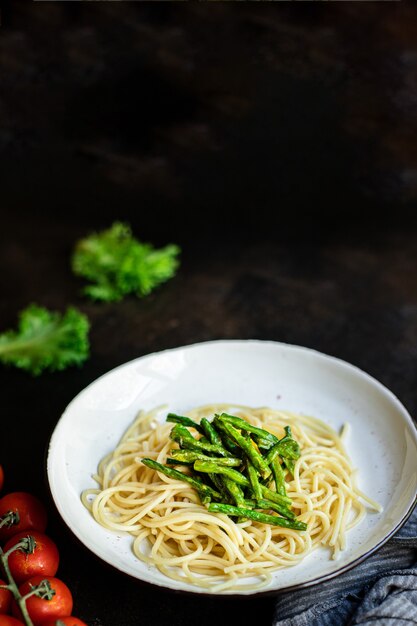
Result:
[
  {"x": 1, "y": 478},
  {"x": 44, "y": 560},
  {"x": 31, "y": 512},
  {"x": 41, "y": 609},
  {"x": 5, "y": 599},
  {"x": 66, "y": 621},
  {"x": 6, "y": 620}
]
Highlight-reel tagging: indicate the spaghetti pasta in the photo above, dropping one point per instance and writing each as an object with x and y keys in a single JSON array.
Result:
[{"x": 173, "y": 531}]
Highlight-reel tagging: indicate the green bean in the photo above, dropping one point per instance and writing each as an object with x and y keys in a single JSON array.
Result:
[
  {"x": 288, "y": 449},
  {"x": 264, "y": 444},
  {"x": 254, "y": 482},
  {"x": 184, "y": 421},
  {"x": 290, "y": 465},
  {"x": 172, "y": 461},
  {"x": 181, "y": 435},
  {"x": 254, "y": 455},
  {"x": 205, "y": 491},
  {"x": 211, "y": 433},
  {"x": 227, "y": 442},
  {"x": 242, "y": 424},
  {"x": 264, "y": 518},
  {"x": 211, "y": 467},
  {"x": 217, "y": 481},
  {"x": 235, "y": 491},
  {"x": 268, "y": 494},
  {"x": 279, "y": 477},
  {"x": 267, "y": 504},
  {"x": 189, "y": 456}
]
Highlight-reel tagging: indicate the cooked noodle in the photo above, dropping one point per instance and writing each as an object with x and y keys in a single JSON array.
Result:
[{"x": 176, "y": 533}]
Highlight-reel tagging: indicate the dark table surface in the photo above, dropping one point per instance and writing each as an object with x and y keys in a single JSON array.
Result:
[{"x": 273, "y": 147}]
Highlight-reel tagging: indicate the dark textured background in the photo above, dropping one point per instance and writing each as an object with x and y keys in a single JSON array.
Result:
[{"x": 276, "y": 144}]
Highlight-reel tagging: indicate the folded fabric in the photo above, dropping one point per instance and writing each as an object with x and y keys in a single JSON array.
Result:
[{"x": 381, "y": 590}]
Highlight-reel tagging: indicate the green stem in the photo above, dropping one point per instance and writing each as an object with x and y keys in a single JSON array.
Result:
[
  {"x": 43, "y": 590},
  {"x": 14, "y": 589},
  {"x": 26, "y": 545},
  {"x": 9, "y": 519}
]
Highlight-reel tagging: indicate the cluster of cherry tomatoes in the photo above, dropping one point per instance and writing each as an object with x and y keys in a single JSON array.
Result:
[{"x": 30, "y": 567}]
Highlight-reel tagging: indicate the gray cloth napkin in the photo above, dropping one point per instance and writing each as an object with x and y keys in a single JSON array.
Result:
[{"x": 380, "y": 591}]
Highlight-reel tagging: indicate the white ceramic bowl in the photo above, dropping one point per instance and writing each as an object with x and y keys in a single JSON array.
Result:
[{"x": 382, "y": 442}]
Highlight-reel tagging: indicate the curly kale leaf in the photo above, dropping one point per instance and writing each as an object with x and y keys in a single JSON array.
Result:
[
  {"x": 46, "y": 340},
  {"x": 117, "y": 264}
]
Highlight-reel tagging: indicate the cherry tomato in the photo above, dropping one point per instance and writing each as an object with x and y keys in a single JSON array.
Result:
[
  {"x": 41, "y": 609},
  {"x": 5, "y": 599},
  {"x": 66, "y": 621},
  {"x": 6, "y": 620},
  {"x": 30, "y": 511},
  {"x": 44, "y": 560},
  {"x": 1, "y": 478}
]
